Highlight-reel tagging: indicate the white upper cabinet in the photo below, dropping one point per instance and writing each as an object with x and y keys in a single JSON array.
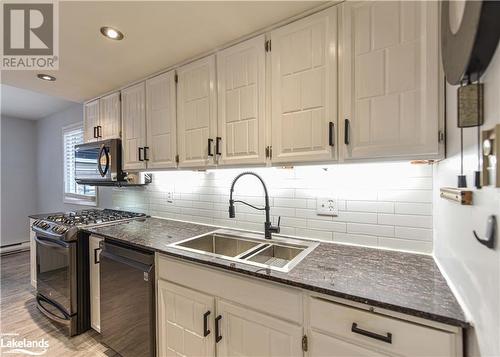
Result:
[
  {"x": 241, "y": 100},
  {"x": 91, "y": 121},
  {"x": 134, "y": 127},
  {"x": 197, "y": 113},
  {"x": 109, "y": 117},
  {"x": 304, "y": 89},
  {"x": 161, "y": 146},
  {"x": 390, "y": 79}
]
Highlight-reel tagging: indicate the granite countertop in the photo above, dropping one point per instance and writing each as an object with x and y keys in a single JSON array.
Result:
[{"x": 404, "y": 282}]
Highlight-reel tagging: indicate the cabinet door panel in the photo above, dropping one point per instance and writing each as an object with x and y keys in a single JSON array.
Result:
[
  {"x": 110, "y": 116},
  {"x": 90, "y": 120},
  {"x": 246, "y": 332},
  {"x": 241, "y": 96},
  {"x": 196, "y": 112},
  {"x": 161, "y": 121},
  {"x": 304, "y": 82},
  {"x": 180, "y": 321},
  {"x": 133, "y": 126},
  {"x": 95, "y": 295},
  {"x": 323, "y": 345},
  {"x": 390, "y": 79}
]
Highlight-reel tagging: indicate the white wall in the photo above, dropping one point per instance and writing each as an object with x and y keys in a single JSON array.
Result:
[
  {"x": 381, "y": 205},
  {"x": 50, "y": 162},
  {"x": 18, "y": 171},
  {"x": 473, "y": 269}
]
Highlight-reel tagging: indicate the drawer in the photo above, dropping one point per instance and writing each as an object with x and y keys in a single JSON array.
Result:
[
  {"x": 379, "y": 332},
  {"x": 270, "y": 298}
]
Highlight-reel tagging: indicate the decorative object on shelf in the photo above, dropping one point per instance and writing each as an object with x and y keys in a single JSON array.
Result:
[
  {"x": 464, "y": 197},
  {"x": 470, "y": 31},
  {"x": 490, "y": 152},
  {"x": 491, "y": 232}
]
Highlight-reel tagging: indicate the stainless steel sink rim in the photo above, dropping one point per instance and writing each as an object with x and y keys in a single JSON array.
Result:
[{"x": 307, "y": 247}]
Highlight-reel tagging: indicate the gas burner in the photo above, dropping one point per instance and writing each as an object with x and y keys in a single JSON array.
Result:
[{"x": 92, "y": 216}]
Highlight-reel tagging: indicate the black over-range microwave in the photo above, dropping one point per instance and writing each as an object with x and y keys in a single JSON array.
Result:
[{"x": 99, "y": 163}]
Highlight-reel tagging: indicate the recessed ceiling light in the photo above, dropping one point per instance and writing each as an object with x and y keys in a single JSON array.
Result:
[
  {"x": 46, "y": 77},
  {"x": 111, "y": 33}
]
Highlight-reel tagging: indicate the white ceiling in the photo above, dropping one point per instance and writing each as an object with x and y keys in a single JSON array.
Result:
[
  {"x": 158, "y": 34},
  {"x": 26, "y": 104}
]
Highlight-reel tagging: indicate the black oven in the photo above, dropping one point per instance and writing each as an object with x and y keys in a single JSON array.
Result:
[
  {"x": 61, "y": 274},
  {"x": 99, "y": 162}
]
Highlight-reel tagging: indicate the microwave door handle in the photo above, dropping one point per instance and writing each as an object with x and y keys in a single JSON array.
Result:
[{"x": 104, "y": 150}]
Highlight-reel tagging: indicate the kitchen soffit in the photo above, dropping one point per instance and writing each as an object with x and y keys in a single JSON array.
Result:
[{"x": 158, "y": 35}]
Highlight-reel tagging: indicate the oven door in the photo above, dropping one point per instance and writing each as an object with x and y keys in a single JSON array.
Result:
[{"x": 56, "y": 278}]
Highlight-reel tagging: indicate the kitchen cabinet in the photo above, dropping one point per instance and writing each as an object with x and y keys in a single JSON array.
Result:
[
  {"x": 197, "y": 113},
  {"x": 110, "y": 117},
  {"x": 185, "y": 321},
  {"x": 246, "y": 332},
  {"x": 91, "y": 121},
  {"x": 161, "y": 124},
  {"x": 251, "y": 317},
  {"x": 32, "y": 254},
  {"x": 344, "y": 330},
  {"x": 390, "y": 80},
  {"x": 304, "y": 89},
  {"x": 95, "y": 295},
  {"x": 102, "y": 118},
  {"x": 241, "y": 122},
  {"x": 134, "y": 127}
]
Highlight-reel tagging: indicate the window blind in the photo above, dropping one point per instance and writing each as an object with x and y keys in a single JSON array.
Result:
[{"x": 72, "y": 137}]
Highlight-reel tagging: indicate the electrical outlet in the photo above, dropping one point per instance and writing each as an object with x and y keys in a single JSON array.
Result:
[
  {"x": 327, "y": 206},
  {"x": 170, "y": 197}
]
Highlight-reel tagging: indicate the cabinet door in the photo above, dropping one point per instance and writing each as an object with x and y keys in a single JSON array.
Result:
[
  {"x": 246, "y": 332},
  {"x": 181, "y": 316},
  {"x": 241, "y": 99},
  {"x": 161, "y": 121},
  {"x": 196, "y": 113},
  {"x": 390, "y": 79},
  {"x": 110, "y": 116},
  {"x": 323, "y": 345},
  {"x": 95, "y": 296},
  {"x": 134, "y": 127},
  {"x": 304, "y": 94},
  {"x": 90, "y": 120}
]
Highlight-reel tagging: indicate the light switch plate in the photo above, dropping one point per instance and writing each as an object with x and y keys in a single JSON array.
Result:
[{"x": 327, "y": 206}]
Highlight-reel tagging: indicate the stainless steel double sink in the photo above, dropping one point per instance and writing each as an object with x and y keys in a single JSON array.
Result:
[{"x": 279, "y": 253}]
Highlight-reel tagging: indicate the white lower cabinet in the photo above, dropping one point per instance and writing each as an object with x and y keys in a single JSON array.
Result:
[
  {"x": 185, "y": 321},
  {"x": 232, "y": 315},
  {"x": 95, "y": 296},
  {"x": 246, "y": 332}
]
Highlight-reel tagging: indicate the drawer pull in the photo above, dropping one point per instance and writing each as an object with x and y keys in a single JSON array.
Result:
[{"x": 387, "y": 338}]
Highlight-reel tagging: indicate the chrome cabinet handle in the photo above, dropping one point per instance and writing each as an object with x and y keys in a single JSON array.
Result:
[
  {"x": 95, "y": 256},
  {"x": 385, "y": 338}
]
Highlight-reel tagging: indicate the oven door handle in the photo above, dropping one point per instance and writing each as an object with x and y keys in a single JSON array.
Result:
[
  {"x": 50, "y": 315},
  {"x": 50, "y": 242}
]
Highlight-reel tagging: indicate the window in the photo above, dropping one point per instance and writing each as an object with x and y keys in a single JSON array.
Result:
[{"x": 74, "y": 193}]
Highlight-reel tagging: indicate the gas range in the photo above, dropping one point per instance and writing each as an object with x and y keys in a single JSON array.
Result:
[{"x": 64, "y": 226}]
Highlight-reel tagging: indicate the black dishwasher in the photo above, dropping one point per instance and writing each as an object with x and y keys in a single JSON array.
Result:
[{"x": 127, "y": 299}]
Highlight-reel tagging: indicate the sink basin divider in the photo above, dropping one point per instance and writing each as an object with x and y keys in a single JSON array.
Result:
[{"x": 252, "y": 251}]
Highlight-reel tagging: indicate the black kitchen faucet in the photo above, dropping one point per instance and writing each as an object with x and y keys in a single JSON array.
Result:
[{"x": 268, "y": 227}]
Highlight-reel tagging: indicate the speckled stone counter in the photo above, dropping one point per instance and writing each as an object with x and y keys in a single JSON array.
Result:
[{"x": 402, "y": 282}]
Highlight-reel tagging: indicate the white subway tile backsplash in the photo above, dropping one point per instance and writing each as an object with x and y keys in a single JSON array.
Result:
[{"x": 380, "y": 204}]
